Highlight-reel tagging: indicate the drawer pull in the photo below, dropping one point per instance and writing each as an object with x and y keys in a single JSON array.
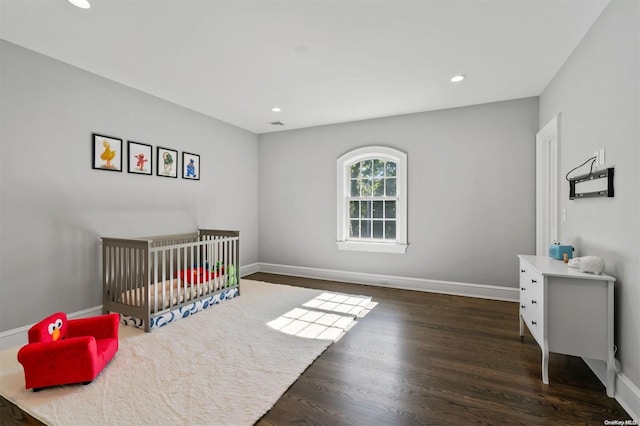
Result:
[
  {"x": 523, "y": 306},
  {"x": 523, "y": 288},
  {"x": 533, "y": 302},
  {"x": 534, "y": 281},
  {"x": 523, "y": 271},
  {"x": 534, "y": 322}
]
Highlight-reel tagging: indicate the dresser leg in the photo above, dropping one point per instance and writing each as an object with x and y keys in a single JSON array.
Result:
[
  {"x": 521, "y": 326},
  {"x": 545, "y": 366}
]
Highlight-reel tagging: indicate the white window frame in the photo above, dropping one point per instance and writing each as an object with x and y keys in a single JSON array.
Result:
[{"x": 344, "y": 163}]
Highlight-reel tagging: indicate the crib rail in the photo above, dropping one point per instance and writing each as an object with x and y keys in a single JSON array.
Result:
[{"x": 149, "y": 276}]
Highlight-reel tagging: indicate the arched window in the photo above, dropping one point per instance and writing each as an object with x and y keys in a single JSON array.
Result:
[{"x": 372, "y": 200}]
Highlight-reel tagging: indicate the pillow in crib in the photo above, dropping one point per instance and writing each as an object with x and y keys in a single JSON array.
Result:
[{"x": 196, "y": 275}]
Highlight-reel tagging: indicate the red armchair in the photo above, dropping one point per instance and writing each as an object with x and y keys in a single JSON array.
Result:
[{"x": 62, "y": 351}]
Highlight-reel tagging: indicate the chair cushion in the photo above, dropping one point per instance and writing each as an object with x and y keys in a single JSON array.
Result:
[
  {"x": 52, "y": 328},
  {"x": 106, "y": 349}
]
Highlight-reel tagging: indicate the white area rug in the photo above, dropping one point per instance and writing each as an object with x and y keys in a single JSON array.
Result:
[{"x": 227, "y": 365}]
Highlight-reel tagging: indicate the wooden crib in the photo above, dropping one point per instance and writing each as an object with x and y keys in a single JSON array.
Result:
[{"x": 154, "y": 281}]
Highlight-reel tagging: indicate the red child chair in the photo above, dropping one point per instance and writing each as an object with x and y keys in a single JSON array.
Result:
[{"x": 62, "y": 351}]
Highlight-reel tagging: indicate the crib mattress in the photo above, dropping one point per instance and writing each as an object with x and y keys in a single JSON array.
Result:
[{"x": 169, "y": 293}]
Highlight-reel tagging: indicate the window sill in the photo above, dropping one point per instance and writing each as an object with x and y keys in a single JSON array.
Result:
[{"x": 372, "y": 247}]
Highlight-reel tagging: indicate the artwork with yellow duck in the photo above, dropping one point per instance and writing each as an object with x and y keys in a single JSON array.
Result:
[{"x": 107, "y": 153}]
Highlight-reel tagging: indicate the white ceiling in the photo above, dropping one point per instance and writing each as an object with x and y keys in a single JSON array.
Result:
[{"x": 235, "y": 59}]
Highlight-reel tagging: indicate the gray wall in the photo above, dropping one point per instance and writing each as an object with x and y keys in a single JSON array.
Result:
[
  {"x": 597, "y": 94},
  {"x": 54, "y": 207},
  {"x": 471, "y": 193}
]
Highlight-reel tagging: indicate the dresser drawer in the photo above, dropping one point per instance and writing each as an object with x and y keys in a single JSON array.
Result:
[
  {"x": 532, "y": 313},
  {"x": 530, "y": 279}
]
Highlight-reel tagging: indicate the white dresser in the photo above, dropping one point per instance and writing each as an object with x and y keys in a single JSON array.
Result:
[{"x": 567, "y": 312}]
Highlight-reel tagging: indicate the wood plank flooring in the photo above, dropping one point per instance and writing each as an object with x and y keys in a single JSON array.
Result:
[
  {"x": 429, "y": 359},
  {"x": 425, "y": 358}
]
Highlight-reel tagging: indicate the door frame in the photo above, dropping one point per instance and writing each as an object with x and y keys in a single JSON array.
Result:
[{"x": 547, "y": 186}]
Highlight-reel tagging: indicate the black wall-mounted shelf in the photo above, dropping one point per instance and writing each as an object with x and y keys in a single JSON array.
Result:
[{"x": 607, "y": 173}]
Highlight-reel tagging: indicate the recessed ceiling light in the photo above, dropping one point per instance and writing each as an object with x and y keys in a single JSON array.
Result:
[
  {"x": 82, "y": 4},
  {"x": 276, "y": 109},
  {"x": 457, "y": 78}
]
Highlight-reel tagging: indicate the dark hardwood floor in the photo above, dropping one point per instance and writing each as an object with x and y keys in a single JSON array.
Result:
[{"x": 424, "y": 358}]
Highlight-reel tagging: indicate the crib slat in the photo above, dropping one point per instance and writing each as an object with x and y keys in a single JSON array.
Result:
[
  {"x": 154, "y": 303},
  {"x": 164, "y": 276},
  {"x": 188, "y": 267},
  {"x": 119, "y": 273}
]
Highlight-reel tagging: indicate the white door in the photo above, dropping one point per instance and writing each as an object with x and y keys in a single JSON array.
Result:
[{"x": 547, "y": 186}]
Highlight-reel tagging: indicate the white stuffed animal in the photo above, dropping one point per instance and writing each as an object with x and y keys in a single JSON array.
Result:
[{"x": 589, "y": 264}]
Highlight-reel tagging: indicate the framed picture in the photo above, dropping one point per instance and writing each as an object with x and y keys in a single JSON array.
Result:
[
  {"x": 140, "y": 157},
  {"x": 190, "y": 166},
  {"x": 167, "y": 161},
  {"x": 107, "y": 153}
]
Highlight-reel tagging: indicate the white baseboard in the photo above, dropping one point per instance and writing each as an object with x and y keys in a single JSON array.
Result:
[
  {"x": 18, "y": 336},
  {"x": 406, "y": 283},
  {"x": 249, "y": 269},
  {"x": 626, "y": 392}
]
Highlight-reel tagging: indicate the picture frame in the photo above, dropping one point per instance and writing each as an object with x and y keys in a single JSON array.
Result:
[
  {"x": 167, "y": 162},
  {"x": 106, "y": 153},
  {"x": 190, "y": 166},
  {"x": 140, "y": 158}
]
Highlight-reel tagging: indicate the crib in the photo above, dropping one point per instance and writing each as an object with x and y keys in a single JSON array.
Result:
[{"x": 154, "y": 281}]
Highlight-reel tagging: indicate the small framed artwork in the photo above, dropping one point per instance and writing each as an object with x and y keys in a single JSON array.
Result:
[
  {"x": 107, "y": 153},
  {"x": 190, "y": 166},
  {"x": 140, "y": 158},
  {"x": 167, "y": 161}
]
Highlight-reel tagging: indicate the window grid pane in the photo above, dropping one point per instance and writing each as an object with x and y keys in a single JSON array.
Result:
[
  {"x": 390, "y": 229},
  {"x": 390, "y": 209},
  {"x": 378, "y": 229},
  {"x": 378, "y": 168},
  {"x": 390, "y": 169},
  {"x": 378, "y": 209},
  {"x": 365, "y": 187},
  {"x": 355, "y": 188},
  {"x": 355, "y": 170},
  {"x": 365, "y": 209},
  {"x": 354, "y": 229},
  {"x": 378, "y": 187},
  {"x": 365, "y": 229},
  {"x": 365, "y": 168},
  {"x": 354, "y": 209},
  {"x": 391, "y": 187}
]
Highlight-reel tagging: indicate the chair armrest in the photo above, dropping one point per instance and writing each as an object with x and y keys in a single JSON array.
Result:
[
  {"x": 67, "y": 349},
  {"x": 100, "y": 327}
]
